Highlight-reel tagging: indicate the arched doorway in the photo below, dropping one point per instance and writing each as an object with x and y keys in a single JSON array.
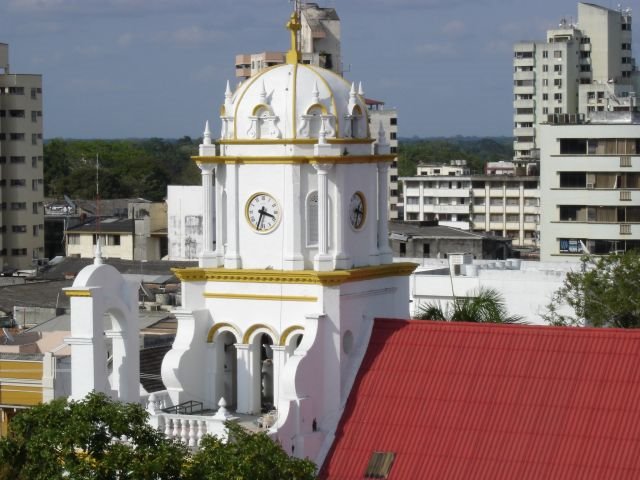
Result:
[{"x": 263, "y": 366}]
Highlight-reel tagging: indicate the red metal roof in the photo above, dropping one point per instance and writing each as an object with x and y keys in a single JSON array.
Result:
[{"x": 481, "y": 401}]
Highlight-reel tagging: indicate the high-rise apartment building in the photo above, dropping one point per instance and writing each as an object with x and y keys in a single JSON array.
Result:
[
  {"x": 21, "y": 172},
  {"x": 579, "y": 68},
  {"x": 590, "y": 185},
  {"x": 319, "y": 44}
]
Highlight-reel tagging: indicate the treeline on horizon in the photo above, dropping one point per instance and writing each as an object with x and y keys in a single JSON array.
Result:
[{"x": 132, "y": 168}]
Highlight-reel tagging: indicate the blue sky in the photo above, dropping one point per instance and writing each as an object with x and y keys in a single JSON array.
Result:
[{"x": 142, "y": 68}]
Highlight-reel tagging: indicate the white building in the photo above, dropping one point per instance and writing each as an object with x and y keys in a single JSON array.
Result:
[
  {"x": 527, "y": 287},
  {"x": 505, "y": 205},
  {"x": 185, "y": 224},
  {"x": 21, "y": 172},
  {"x": 590, "y": 177},
  {"x": 579, "y": 68},
  {"x": 387, "y": 120}
]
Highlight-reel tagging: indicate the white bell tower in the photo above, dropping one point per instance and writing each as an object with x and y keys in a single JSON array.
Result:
[{"x": 278, "y": 315}]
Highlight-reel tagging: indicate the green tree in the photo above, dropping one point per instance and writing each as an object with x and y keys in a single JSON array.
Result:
[
  {"x": 604, "y": 294},
  {"x": 100, "y": 439},
  {"x": 246, "y": 456},
  {"x": 75, "y": 440},
  {"x": 484, "y": 306}
]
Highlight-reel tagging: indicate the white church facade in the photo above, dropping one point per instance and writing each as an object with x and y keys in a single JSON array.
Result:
[{"x": 277, "y": 316}]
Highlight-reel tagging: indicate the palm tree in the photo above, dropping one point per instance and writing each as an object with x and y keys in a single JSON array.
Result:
[{"x": 484, "y": 306}]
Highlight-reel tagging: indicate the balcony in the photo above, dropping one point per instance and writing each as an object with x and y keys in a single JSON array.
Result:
[
  {"x": 524, "y": 117},
  {"x": 523, "y": 62},
  {"x": 520, "y": 103},
  {"x": 524, "y": 75},
  {"x": 524, "y": 90}
]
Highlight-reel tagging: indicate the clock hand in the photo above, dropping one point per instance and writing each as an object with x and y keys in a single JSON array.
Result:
[
  {"x": 268, "y": 214},
  {"x": 260, "y": 219}
]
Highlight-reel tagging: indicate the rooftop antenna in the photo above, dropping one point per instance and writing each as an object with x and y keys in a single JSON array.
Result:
[{"x": 98, "y": 255}]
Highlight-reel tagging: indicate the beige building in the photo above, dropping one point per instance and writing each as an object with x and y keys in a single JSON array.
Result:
[
  {"x": 319, "y": 44},
  {"x": 579, "y": 68},
  {"x": 21, "y": 172},
  {"x": 141, "y": 235},
  {"x": 590, "y": 177},
  {"x": 504, "y": 205}
]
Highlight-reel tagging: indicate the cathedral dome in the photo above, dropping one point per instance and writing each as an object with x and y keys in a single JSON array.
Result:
[{"x": 294, "y": 101}]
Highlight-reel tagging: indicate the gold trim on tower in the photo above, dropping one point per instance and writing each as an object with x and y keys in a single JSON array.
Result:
[
  {"x": 300, "y": 277},
  {"x": 243, "y": 296}
]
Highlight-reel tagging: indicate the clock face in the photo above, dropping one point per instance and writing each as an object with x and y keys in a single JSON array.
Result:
[
  {"x": 357, "y": 210},
  {"x": 263, "y": 212}
]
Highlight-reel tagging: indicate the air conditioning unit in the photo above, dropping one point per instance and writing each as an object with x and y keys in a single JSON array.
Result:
[{"x": 590, "y": 186}]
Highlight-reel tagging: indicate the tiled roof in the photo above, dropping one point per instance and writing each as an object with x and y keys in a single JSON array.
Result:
[{"x": 480, "y": 401}]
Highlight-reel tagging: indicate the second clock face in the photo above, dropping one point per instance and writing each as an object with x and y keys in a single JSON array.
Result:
[
  {"x": 263, "y": 212},
  {"x": 357, "y": 210}
]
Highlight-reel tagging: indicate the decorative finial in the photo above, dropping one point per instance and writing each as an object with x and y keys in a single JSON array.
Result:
[
  {"x": 207, "y": 134},
  {"x": 98, "y": 258},
  {"x": 293, "y": 55},
  {"x": 222, "y": 413},
  {"x": 352, "y": 98},
  {"x": 382, "y": 137},
  {"x": 227, "y": 92},
  {"x": 360, "y": 90},
  {"x": 315, "y": 93},
  {"x": 263, "y": 93}
]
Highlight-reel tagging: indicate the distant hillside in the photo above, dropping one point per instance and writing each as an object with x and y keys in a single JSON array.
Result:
[{"x": 475, "y": 150}]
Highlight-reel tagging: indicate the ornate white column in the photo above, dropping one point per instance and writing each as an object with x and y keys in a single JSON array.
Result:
[
  {"x": 219, "y": 238},
  {"x": 245, "y": 385},
  {"x": 386, "y": 255},
  {"x": 232, "y": 258},
  {"x": 207, "y": 256},
  {"x": 342, "y": 260},
  {"x": 293, "y": 259},
  {"x": 279, "y": 359},
  {"x": 323, "y": 261}
]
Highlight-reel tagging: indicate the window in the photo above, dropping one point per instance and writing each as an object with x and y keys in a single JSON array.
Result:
[
  {"x": 557, "y": 54},
  {"x": 18, "y": 205},
  {"x": 545, "y": 82},
  {"x": 513, "y": 218},
  {"x": 33, "y": 93},
  {"x": 585, "y": 68},
  {"x": 545, "y": 68},
  {"x": 496, "y": 201},
  {"x": 626, "y": 46},
  {"x": 393, "y": 135},
  {"x": 393, "y": 121},
  {"x": 18, "y": 252},
  {"x": 16, "y": 90},
  {"x": 573, "y": 179},
  {"x": 34, "y": 208},
  {"x": 73, "y": 239},
  {"x": 545, "y": 96},
  {"x": 557, "y": 68},
  {"x": 18, "y": 159},
  {"x": 34, "y": 116},
  {"x": 495, "y": 217},
  {"x": 36, "y": 230},
  {"x": 545, "y": 111},
  {"x": 312, "y": 219},
  {"x": 403, "y": 249},
  {"x": 394, "y": 150},
  {"x": 19, "y": 228},
  {"x": 557, "y": 83},
  {"x": 16, "y": 136},
  {"x": 426, "y": 247},
  {"x": 545, "y": 54},
  {"x": 17, "y": 182},
  {"x": 20, "y": 113},
  {"x": 572, "y": 213}
]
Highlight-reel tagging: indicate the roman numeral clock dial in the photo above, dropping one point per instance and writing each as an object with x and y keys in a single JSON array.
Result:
[{"x": 263, "y": 212}]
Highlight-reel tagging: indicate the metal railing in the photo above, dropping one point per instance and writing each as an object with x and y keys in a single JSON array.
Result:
[{"x": 185, "y": 408}]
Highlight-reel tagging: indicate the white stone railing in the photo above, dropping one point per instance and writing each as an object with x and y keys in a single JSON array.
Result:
[{"x": 188, "y": 429}]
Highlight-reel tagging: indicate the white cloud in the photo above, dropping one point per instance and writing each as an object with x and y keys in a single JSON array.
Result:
[
  {"x": 196, "y": 35},
  {"x": 436, "y": 50},
  {"x": 454, "y": 27},
  {"x": 125, "y": 39}
]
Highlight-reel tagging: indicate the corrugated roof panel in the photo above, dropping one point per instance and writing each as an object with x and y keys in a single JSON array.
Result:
[{"x": 493, "y": 401}]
